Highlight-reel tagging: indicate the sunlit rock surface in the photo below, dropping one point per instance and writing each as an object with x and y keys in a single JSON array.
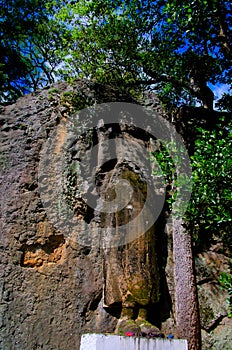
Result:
[{"x": 52, "y": 288}]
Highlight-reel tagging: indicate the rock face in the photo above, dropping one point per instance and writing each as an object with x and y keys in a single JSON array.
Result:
[
  {"x": 216, "y": 326},
  {"x": 57, "y": 281}
]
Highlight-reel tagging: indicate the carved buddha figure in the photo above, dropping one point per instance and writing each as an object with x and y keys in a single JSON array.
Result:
[{"x": 130, "y": 271}]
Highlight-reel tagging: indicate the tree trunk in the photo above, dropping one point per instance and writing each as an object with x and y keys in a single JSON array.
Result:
[{"x": 186, "y": 301}]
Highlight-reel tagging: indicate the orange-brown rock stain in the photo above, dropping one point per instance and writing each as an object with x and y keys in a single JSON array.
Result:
[{"x": 51, "y": 252}]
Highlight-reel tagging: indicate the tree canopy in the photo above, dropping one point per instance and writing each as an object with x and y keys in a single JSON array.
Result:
[
  {"x": 27, "y": 46},
  {"x": 175, "y": 48}
]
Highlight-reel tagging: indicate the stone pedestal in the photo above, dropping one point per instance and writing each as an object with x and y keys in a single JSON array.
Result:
[{"x": 115, "y": 342}]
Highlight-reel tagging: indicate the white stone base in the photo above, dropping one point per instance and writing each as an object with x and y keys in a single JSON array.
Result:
[{"x": 115, "y": 342}]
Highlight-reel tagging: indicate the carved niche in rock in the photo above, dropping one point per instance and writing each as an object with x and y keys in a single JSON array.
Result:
[{"x": 114, "y": 200}]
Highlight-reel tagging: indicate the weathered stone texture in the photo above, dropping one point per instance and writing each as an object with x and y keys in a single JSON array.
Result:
[
  {"x": 47, "y": 283},
  {"x": 216, "y": 326},
  {"x": 51, "y": 287}
]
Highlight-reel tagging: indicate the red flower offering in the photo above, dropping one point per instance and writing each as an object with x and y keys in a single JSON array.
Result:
[{"x": 129, "y": 334}]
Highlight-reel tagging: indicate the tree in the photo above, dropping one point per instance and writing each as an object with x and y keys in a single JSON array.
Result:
[
  {"x": 175, "y": 47},
  {"x": 209, "y": 210},
  {"x": 186, "y": 301},
  {"x": 28, "y": 41}
]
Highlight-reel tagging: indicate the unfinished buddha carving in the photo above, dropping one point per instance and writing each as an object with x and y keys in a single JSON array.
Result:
[{"x": 130, "y": 271}]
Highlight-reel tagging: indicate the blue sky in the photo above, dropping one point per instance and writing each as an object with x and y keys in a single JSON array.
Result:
[{"x": 219, "y": 90}]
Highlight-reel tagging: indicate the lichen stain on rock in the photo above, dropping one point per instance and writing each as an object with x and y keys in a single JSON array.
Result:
[{"x": 38, "y": 255}]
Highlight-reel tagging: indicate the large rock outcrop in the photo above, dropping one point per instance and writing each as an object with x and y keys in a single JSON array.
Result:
[{"x": 52, "y": 287}]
